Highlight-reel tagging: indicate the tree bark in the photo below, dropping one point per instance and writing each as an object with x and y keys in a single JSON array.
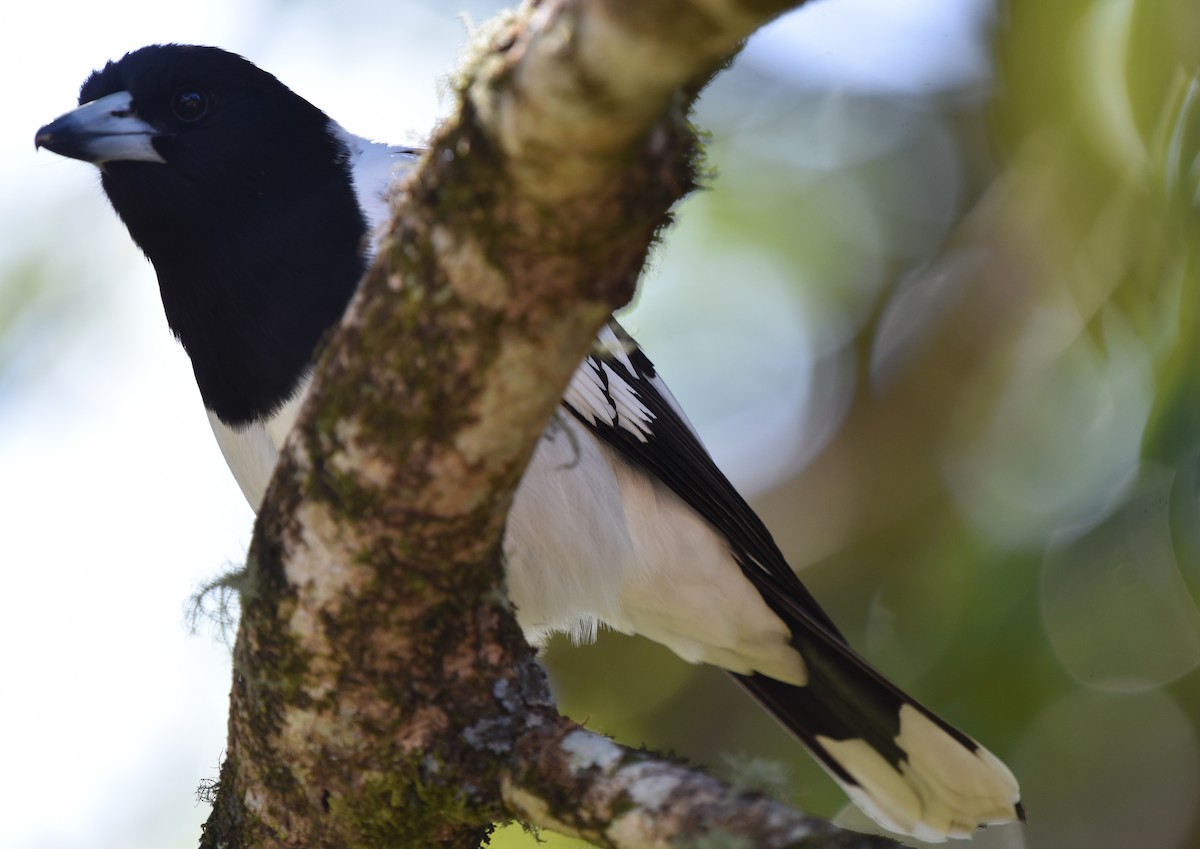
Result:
[{"x": 383, "y": 694}]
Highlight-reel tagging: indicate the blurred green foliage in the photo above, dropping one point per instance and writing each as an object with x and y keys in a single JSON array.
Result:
[{"x": 1002, "y": 290}]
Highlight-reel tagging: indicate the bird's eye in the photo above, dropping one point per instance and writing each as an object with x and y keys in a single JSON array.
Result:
[{"x": 189, "y": 105}]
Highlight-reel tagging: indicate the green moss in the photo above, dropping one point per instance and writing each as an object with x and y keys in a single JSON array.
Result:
[
  {"x": 267, "y": 643},
  {"x": 410, "y": 806},
  {"x": 420, "y": 360}
]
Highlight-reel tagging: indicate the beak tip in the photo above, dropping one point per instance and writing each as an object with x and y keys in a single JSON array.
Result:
[{"x": 48, "y": 135}]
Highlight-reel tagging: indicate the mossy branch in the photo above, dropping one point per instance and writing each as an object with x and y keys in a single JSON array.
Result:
[
  {"x": 383, "y": 695},
  {"x": 582, "y": 784}
]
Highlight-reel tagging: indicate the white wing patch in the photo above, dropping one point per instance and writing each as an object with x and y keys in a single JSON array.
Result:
[
  {"x": 586, "y": 397},
  {"x": 603, "y": 397},
  {"x": 611, "y": 345},
  {"x": 632, "y": 414}
]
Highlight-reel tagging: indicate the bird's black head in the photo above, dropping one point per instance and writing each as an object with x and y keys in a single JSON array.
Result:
[
  {"x": 215, "y": 120},
  {"x": 240, "y": 193}
]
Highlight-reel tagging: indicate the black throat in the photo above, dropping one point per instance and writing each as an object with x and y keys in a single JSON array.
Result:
[{"x": 252, "y": 273}]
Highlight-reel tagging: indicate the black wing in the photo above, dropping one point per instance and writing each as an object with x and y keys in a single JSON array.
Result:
[{"x": 618, "y": 396}]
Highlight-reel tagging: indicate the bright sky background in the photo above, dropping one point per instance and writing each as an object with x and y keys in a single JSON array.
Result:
[{"x": 114, "y": 498}]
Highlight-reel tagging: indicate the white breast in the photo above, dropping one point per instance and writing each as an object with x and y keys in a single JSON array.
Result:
[{"x": 252, "y": 451}]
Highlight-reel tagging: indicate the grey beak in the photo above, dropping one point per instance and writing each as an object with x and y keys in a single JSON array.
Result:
[{"x": 104, "y": 130}]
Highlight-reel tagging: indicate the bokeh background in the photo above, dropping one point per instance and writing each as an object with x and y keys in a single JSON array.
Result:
[{"x": 936, "y": 314}]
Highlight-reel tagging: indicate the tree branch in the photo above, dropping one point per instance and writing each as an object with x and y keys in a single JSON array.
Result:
[
  {"x": 582, "y": 784},
  {"x": 383, "y": 695}
]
